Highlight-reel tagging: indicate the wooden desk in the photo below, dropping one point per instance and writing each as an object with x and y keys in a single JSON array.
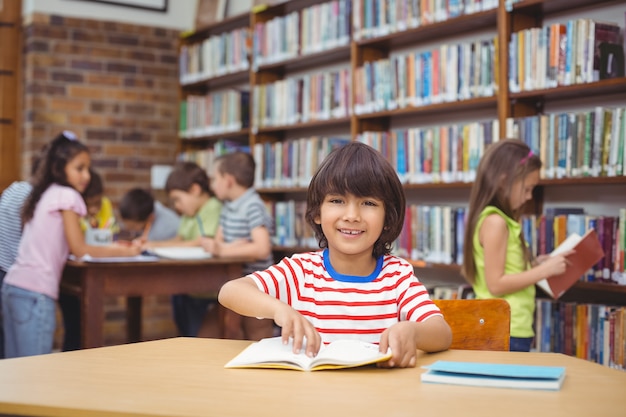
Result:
[
  {"x": 93, "y": 281},
  {"x": 185, "y": 377}
]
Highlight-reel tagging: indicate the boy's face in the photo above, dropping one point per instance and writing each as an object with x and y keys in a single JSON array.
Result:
[
  {"x": 187, "y": 203},
  {"x": 220, "y": 184},
  {"x": 93, "y": 204},
  {"x": 134, "y": 226},
  {"x": 351, "y": 224}
]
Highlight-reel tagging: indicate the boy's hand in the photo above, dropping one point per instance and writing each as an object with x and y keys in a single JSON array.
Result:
[
  {"x": 295, "y": 326},
  {"x": 401, "y": 339},
  {"x": 208, "y": 244}
]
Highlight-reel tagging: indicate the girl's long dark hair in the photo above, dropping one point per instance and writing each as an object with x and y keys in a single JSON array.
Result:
[
  {"x": 503, "y": 163},
  {"x": 51, "y": 169}
]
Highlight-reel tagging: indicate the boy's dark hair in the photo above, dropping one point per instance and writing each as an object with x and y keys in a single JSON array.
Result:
[
  {"x": 95, "y": 187},
  {"x": 136, "y": 205},
  {"x": 186, "y": 174},
  {"x": 359, "y": 169},
  {"x": 51, "y": 169},
  {"x": 240, "y": 165}
]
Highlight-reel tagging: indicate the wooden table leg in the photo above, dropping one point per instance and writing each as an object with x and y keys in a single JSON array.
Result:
[
  {"x": 92, "y": 310},
  {"x": 133, "y": 319}
]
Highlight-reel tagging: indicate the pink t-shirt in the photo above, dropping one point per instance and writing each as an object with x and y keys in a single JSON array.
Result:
[{"x": 43, "y": 249}]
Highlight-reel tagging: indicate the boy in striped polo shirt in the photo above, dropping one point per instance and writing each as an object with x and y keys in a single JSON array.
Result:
[
  {"x": 244, "y": 230},
  {"x": 353, "y": 287}
]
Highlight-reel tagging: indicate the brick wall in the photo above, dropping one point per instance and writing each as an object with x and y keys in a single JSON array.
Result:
[{"x": 116, "y": 86}]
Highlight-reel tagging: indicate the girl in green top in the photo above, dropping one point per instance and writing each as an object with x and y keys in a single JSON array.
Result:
[{"x": 497, "y": 261}]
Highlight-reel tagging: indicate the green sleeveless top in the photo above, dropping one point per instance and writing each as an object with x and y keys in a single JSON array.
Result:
[{"x": 522, "y": 302}]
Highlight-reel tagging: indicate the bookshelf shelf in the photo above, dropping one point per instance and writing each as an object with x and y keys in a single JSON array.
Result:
[
  {"x": 316, "y": 59},
  {"x": 454, "y": 26},
  {"x": 226, "y": 80},
  {"x": 242, "y": 134},
  {"x": 596, "y": 292},
  {"x": 229, "y": 23},
  {"x": 308, "y": 125},
  {"x": 430, "y": 265},
  {"x": 610, "y": 86},
  {"x": 540, "y": 7},
  {"x": 461, "y": 105},
  {"x": 582, "y": 180}
]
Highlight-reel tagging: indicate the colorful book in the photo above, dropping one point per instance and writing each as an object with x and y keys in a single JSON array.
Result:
[
  {"x": 495, "y": 375},
  {"x": 272, "y": 353},
  {"x": 587, "y": 252}
]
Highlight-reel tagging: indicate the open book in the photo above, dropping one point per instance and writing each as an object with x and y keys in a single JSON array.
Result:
[
  {"x": 588, "y": 252},
  {"x": 181, "y": 253},
  {"x": 272, "y": 353},
  {"x": 495, "y": 375}
]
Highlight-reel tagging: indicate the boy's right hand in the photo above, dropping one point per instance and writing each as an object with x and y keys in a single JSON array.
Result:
[{"x": 295, "y": 326}]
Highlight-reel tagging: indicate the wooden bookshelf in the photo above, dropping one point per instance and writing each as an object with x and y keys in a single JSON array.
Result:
[{"x": 501, "y": 106}]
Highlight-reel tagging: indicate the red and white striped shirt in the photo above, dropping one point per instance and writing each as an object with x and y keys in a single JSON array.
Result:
[{"x": 348, "y": 307}]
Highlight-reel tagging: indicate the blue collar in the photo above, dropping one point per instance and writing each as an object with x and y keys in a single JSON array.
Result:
[{"x": 351, "y": 278}]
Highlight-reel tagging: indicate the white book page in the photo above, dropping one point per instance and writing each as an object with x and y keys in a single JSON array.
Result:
[
  {"x": 181, "y": 253},
  {"x": 270, "y": 350},
  {"x": 347, "y": 352},
  {"x": 568, "y": 244}
]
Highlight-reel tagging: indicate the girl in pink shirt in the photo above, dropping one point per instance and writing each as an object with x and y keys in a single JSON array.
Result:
[{"x": 51, "y": 217}]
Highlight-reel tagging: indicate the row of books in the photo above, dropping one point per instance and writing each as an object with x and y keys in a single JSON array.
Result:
[
  {"x": 559, "y": 54},
  {"x": 215, "y": 56},
  {"x": 575, "y": 144},
  {"x": 444, "y": 74},
  {"x": 310, "y": 97},
  {"x": 435, "y": 234},
  {"x": 544, "y": 233},
  {"x": 375, "y": 18},
  {"x": 290, "y": 226},
  {"x": 432, "y": 234},
  {"x": 292, "y": 163},
  {"x": 313, "y": 29},
  {"x": 593, "y": 332},
  {"x": 435, "y": 154},
  {"x": 214, "y": 113},
  {"x": 449, "y": 292}
]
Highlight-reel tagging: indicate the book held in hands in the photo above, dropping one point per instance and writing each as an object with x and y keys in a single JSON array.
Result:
[
  {"x": 272, "y": 353},
  {"x": 588, "y": 251},
  {"x": 495, "y": 375}
]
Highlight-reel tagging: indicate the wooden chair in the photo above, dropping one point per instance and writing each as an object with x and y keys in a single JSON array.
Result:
[{"x": 478, "y": 324}]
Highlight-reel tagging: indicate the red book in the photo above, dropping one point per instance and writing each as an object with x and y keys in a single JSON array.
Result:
[{"x": 588, "y": 251}]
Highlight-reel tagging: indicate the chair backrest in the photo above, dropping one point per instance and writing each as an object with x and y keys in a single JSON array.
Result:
[{"x": 478, "y": 324}]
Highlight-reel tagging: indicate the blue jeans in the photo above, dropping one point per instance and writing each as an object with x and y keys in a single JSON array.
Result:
[
  {"x": 189, "y": 312},
  {"x": 29, "y": 322},
  {"x": 520, "y": 344}
]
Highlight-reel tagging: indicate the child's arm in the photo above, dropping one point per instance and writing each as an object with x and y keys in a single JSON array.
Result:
[
  {"x": 493, "y": 235},
  {"x": 258, "y": 247},
  {"x": 243, "y": 297},
  {"x": 78, "y": 247},
  {"x": 405, "y": 337},
  {"x": 178, "y": 241}
]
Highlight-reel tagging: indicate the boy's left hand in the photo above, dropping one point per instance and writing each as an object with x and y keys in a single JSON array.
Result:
[{"x": 401, "y": 339}]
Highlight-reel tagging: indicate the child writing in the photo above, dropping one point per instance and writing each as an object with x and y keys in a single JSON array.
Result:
[
  {"x": 99, "y": 208},
  {"x": 51, "y": 217},
  {"x": 147, "y": 218},
  {"x": 188, "y": 188},
  {"x": 352, "y": 288},
  {"x": 245, "y": 228},
  {"x": 496, "y": 258}
]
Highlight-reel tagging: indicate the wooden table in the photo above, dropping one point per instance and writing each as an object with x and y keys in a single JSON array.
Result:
[
  {"x": 186, "y": 377},
  {"x": 92, "y": 282}
]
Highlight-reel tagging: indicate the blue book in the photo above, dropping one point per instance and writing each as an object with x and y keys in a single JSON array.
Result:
[{"x": 495, "y": 375}]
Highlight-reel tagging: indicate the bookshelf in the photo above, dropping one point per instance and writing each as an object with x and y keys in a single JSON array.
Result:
[{"x": 488, "y": 26}]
